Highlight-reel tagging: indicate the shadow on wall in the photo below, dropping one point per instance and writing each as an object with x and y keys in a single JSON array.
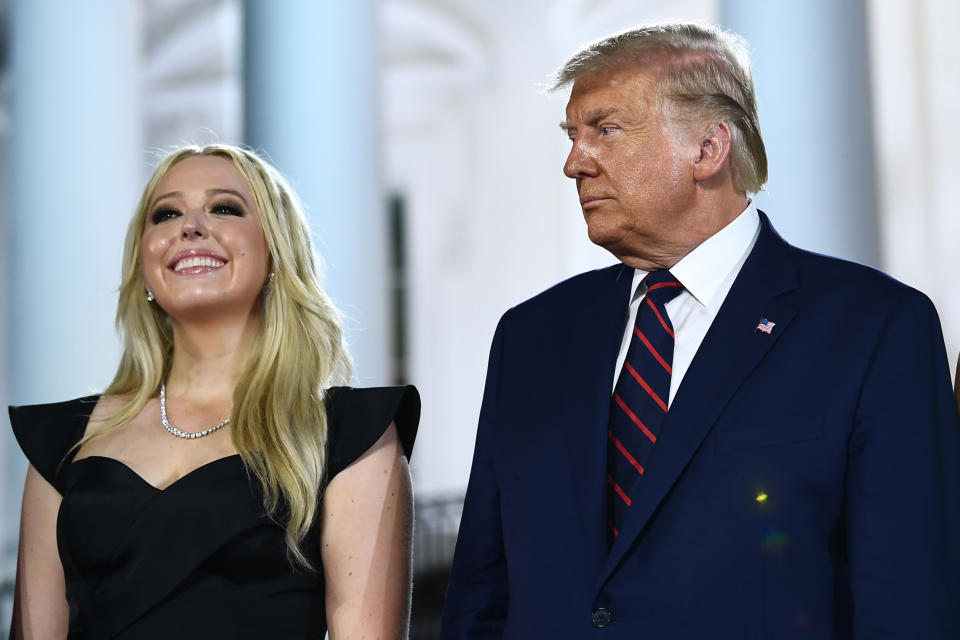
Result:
[
  {"x": 6, "y": 607},
  {"x": 437, "y": 522}
]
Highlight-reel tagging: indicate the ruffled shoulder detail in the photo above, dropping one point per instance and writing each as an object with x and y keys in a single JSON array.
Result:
[
  {"x": 46, "y": 432},
  {"x": 356, "y": 418}
]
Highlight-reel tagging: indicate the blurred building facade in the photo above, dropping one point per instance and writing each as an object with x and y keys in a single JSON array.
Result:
[{"x": 430, "y": 163}]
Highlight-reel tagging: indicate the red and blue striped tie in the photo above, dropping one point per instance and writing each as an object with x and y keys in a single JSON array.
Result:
[{"x": 640, "y": 397}]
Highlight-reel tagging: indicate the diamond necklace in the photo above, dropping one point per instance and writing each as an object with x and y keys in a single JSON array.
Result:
[{"x": 177, "y": 432}]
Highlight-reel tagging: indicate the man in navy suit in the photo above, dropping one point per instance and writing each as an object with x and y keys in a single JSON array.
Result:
[{"x": 801, "y": 477}]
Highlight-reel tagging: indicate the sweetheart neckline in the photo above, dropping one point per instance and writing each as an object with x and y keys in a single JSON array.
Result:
[
  {"x": 96, "y": 398},
  {"x": 146, "y": 482}
]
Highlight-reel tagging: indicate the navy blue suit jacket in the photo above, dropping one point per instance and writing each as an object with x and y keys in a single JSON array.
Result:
[{"x": 804, "y": 484}]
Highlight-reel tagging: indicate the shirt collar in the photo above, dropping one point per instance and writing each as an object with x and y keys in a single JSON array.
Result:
[{"x": 709, "y": 270}]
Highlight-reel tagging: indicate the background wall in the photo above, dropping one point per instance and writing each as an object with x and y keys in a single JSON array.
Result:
[{"x": 430, "y": 163}]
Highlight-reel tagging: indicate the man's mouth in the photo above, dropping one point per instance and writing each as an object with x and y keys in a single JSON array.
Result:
[{"x": 587, "y": 200}]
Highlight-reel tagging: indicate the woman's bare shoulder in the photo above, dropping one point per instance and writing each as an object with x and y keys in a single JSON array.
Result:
[{"x": 108, "y": 406}]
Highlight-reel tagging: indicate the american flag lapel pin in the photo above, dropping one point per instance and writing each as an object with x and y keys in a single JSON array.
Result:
[{"x": 765, "y": 325}]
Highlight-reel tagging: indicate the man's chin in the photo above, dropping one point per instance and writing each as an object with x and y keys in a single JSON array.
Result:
[{"x": 604, "y": 236}]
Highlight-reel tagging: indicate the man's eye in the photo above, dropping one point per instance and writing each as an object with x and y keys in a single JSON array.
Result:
[
  {"x": 605, "y": 131},
  {"x": 227, "y": 210},
  {"x": 162, "y": 214}
]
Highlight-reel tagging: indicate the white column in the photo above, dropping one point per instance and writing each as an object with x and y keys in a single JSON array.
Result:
[
  {"x": 311, "y": 104},
  {"x": 812, "y": 74},
  {"x": 917, "y": 100},
  {"x": 76, "y": 174}
]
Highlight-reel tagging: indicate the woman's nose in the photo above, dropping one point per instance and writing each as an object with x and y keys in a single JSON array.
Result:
[{"x": 193, "y": 226}]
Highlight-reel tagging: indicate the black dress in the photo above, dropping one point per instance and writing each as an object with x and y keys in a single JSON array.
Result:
[{"x": 199, "y": 558}]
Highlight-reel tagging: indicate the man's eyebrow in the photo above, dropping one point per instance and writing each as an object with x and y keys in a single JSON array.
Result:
[{"x": 591, "y": 117}]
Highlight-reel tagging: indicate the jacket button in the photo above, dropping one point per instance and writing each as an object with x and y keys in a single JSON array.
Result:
[{"x": 601, "y": 617}]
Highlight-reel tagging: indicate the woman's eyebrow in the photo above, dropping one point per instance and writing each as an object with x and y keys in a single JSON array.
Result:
[
  {"x": 216, "y": 192},
  {"x": 209, "y": 193},
  {"x": 172, "y": 194}
]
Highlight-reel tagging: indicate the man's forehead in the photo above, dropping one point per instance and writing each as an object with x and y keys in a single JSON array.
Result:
[
  {"x": 606, "y": 91},
  {"x": 624, "y": 74}
]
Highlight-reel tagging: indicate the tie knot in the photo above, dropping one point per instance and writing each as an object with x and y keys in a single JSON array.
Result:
[{"x": 662, "y": 287}]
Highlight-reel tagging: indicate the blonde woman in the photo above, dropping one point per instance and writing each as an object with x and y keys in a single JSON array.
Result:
[{"x": 220, "y": 487}]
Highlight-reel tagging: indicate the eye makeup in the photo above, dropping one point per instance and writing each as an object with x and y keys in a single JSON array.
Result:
[
  {"x": 163, "y": 213},
  {"x": 227, "y": 208}
]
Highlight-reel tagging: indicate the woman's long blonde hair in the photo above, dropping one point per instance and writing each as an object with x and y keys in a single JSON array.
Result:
[{"x": 278, "y": 422}]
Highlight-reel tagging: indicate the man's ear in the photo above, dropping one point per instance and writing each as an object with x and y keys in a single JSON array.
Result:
[{"x": 714, "y": 152}]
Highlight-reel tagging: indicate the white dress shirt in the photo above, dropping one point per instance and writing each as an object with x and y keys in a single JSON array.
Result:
[{"x": 706, "y": 273}]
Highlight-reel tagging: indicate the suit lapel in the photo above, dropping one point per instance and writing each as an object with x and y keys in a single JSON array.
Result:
[
  {"x": 731, "y": 349},
  {"x": 585, "y": 399}
]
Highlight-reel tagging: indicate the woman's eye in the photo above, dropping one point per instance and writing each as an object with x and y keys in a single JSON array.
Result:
[
  {"x": 163, "y": 214},
  {"x": 227, "y": 210}
]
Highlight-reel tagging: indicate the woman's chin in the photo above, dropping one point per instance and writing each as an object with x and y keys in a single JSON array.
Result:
[{"x": 208, "y": 305}]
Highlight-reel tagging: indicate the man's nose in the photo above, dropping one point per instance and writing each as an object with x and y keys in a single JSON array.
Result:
[
  {"x": 194, "y": 225},
  {"x": 580, "y": 161}
]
